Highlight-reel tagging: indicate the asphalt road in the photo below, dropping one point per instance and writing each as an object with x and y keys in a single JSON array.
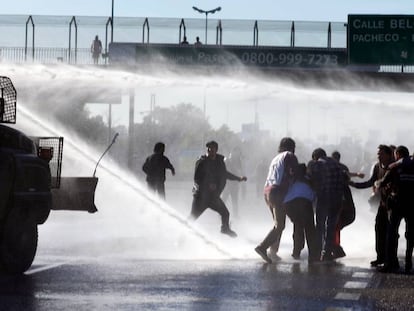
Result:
[
  {"x": 65, "y": 283},
  {"x": 137, "y": 254}
]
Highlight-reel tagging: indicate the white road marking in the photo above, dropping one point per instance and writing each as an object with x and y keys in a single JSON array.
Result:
[
  {"x": 348, "y": 296},
  {"x": 362, "y": 274},
  {"x": 353, "y": 284}
]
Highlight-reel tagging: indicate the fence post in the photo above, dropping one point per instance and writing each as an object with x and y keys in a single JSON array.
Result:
[
  {"x": 329, "y": 35},
  {"x": 30, "y": 19},
  {"x": 73, "y": 22},
  {"x": 109, "y": 22},
  {"x": 255, "y": 34},
  {"x": 219, "y": 33},
  {"x": 182, "y": 26},
  {"x": 146, "y": 24}
]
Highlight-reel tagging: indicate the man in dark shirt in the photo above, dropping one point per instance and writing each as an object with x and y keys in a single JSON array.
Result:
[
  {"x": 155, "y": 166},
  {"x": 347, "y": 213},
  {"x": 328, "y": 180},
  {"x": 400, "y": 179},
  {"x": 385, "y": 158},
  {"x": 209, "y": 181}
]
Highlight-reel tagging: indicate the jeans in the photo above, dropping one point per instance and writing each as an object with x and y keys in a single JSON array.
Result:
[{"x": 327, "y": 213}]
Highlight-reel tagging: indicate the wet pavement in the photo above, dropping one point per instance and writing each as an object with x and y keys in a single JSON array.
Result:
[
  {"x": 138, "y": 253},
  {"x": 182, "y": 285},
  {"x": 141, "y": 255},
  {"x": 67, "y": 283}
]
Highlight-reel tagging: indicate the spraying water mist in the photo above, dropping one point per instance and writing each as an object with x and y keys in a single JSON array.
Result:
[{"x": 131, "y": 221}]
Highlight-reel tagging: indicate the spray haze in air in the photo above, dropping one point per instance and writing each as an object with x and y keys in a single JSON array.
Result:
[
  {"x": 132, "y": 221},
  {"x": 281, "y": 106},
  {"x": 130, "y": 218}
]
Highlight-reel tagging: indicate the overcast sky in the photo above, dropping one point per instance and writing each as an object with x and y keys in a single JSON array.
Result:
[{"x": 313, "y": 10}]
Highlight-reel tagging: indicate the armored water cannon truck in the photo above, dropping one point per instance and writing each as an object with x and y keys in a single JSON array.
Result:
[{"x": 31, "y": 186}]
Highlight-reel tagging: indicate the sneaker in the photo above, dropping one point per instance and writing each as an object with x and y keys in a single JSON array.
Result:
[
  {"x": 314, "y": 260},
  {"x": 327, "y": 257},
  {"x": 229, "y": 232},
  {"x": 296, "y": 256},
  {"x": 274, "y": 256},
  {"x": 376, "y": 263},
  {"x": 263, "y": 254}
]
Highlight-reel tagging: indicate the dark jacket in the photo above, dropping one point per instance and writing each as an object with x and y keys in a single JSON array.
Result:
[
  {"x": 400, "y": 179},
  {"x": 211, "y": 175},
  {"x": 155, "y": 166},
  {"x": 327, "y": 176}
]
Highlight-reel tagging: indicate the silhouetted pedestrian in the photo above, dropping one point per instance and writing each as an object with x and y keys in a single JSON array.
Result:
[
  {"x": 155, "y": 166},
  {"x": 385, "y": 158},
  {"x": 400, "y": 179},
  {"x": 347, "y": 212},
  {"x": 299, "y": 207},
  {"x": 328, "y": 180},
  {"x": 209, "y": 181},
  {"x": 276, "y": 186},
  {"x": 198, "y": 42},
  {"x": 184, "y": 42},
  {"x": 96, "y": 49}
]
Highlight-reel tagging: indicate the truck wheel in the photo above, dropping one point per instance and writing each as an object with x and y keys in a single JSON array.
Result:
[{"x": 19, "y": 242}]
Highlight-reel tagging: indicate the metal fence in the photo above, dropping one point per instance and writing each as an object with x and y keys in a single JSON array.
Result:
[
  {"x": 67, "y": 39},
  {"x": 51, "y": 39},
  {"x": 20, "y": 55}
]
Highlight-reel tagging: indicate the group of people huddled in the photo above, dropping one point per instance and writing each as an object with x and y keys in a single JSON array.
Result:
[
  {"x": 322, "y": 188},
  {"x": 316, "y": 197},
  {"x": 297, "y": 190}
]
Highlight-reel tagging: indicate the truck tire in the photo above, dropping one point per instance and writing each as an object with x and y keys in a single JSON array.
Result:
[{"x": 19, "y": 242}]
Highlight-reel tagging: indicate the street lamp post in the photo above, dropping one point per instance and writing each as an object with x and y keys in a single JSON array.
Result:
[
  {"x": 206, "y": 12},
  {"x": 112, "y": 22}
]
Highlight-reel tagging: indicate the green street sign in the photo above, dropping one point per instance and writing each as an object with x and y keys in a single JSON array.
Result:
[{"x": 381, "y": 39}]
